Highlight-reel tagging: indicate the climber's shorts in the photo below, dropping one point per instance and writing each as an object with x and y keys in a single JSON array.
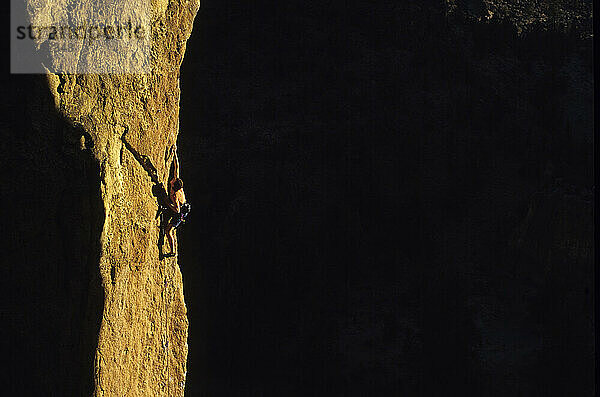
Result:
[{"x": 176, "y": 220}]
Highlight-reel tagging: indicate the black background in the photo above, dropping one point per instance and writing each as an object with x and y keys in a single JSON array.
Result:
[{"x": 380, "y": 196}]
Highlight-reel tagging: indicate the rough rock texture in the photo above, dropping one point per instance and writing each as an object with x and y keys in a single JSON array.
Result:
[{"x": 142, "y": 344}]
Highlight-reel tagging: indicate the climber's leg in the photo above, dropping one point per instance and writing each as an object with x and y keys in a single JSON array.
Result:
[{"x": 169, "y": 234}]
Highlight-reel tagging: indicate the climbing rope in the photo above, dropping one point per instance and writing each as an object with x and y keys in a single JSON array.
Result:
[{"x": 166, "y": 332}]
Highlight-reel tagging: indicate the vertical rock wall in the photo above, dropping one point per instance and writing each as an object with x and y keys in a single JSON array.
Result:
[{"x": 142, "y": 346}]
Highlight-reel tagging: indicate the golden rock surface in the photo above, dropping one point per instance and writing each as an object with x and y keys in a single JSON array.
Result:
[{"x": 142, "y": 344}]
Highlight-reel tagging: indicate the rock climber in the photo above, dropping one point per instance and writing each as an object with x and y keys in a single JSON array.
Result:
[{"x": 177, "y": 204}]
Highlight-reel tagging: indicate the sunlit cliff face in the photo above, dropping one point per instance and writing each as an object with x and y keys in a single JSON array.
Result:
[{"x": 102, "y": 310}]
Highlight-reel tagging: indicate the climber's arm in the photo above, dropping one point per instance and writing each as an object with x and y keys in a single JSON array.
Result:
[
  {"x": 173, "y": 206},
  {"x": 175, "y": 164}
]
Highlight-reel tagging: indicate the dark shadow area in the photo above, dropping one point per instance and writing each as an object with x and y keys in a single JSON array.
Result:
[
  {"x": 51, "y": 209},
  {"x": 360, "y": 174}
]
